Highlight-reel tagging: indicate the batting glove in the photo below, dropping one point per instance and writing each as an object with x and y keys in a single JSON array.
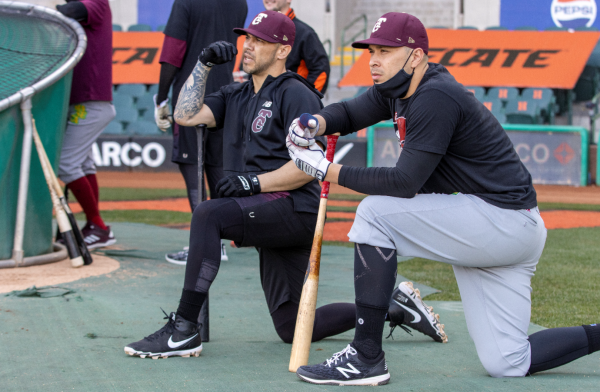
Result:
[
  {"x": 238, "y": 186},
  {"x": 303, "y": 130},
  {"x": 162, "y": 114},
  {"x": 311, "y": 160},
  {"x": 219, "y": 52}
]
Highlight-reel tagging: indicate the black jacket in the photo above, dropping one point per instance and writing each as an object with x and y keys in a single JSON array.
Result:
[{"x": 256, "y": 125}]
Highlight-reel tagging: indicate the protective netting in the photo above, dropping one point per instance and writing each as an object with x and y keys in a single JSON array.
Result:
[{"x": 32, "y": 46}]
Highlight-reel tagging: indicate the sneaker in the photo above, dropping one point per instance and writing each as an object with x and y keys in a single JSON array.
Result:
[
  {"x": 178, "y": 337},
  {"x": 408, "y": 309},
  {"x": 223, "y": 252},
  {"x": 179, "y": 258},
  {"x": 344, "y": 368},
  {"x": 94, "y": 237}
]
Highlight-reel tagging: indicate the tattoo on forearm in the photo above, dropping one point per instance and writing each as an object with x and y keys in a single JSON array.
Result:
[{"x": 191, "y": 96}]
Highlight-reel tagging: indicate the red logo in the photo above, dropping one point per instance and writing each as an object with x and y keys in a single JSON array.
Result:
[
  {"x": 564, "y": 153},
  {"x": 401, "y": 132},
  {"x": 259, "y": 121}
]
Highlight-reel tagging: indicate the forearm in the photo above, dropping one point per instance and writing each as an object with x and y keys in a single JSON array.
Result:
[
  {"x": 191, "y": 96},
  {"x": 167, "y": 75},
  {"x": 286, "y": 178}
]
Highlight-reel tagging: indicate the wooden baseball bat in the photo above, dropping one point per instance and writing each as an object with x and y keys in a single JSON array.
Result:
[
  {"x": 61, "y": 217},
  {"x": 308, "y": 300},
  {"x": 83, "y": 249}
]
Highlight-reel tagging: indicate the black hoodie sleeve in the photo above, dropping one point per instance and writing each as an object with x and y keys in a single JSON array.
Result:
[
  {"x": 353, "y": 115},
  {"x": 74, "y": 10}
]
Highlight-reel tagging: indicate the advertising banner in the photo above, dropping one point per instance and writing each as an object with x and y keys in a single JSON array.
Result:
[
  {"x": 553, "y": 155},
  {"x": 501, "y": 58},
  {"x": 542, "y": 14},
  {"x": 140, "y": 153}
]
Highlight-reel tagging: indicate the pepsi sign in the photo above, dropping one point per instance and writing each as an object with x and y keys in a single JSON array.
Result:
[{"x": 573, "y": 13}]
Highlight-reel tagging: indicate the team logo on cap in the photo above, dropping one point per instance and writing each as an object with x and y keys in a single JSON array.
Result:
[
  {"x": 573, "y": 13},
  {"x": 378, "y": 24},
  {"x": 259, "y": 18}
]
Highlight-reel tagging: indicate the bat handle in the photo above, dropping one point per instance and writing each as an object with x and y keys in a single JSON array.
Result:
[{"x": 331, "y": 143}]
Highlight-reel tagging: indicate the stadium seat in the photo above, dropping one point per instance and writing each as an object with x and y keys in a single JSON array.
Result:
[
  {"x": 494, "y": 105},
  {"x": 543, "y": 99},
  {"x": 148, "y": 116},
  {"x": 479, "y": 92},
  {"x": 143, "y": 127},
  {"x": 145, "y": 102},
  {"x": 113, "y": 128},
  {"x": 496, "y": 28},
  {"x": 526, "y": 28},
  {"x": 503, "y": 93},
  {"x": 587, "y": 85},
  {"x": 133, "y": 90},
  {"x": 153, "y": 89},
  {"x": 122, "y": 101},
  {"x": 556, "y": 28},
  {"x": 126, "y": 115},
  {"x": 501, "y": 117},
  {"x": 161, "y": 27},
  {"x": 140, "y": 27},
  {"x": 117, "y": 27},
  {"x": 521, "y": 111},
  {"x": 467, "y": 28}
]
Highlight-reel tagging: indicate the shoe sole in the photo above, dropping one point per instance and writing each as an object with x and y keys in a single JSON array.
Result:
[
  {"x": 371, "y": 381},
  {"x": 183, "y": 353},
  {"x": 102, "y": 244},
  {"x": 412, "y": 292},
  {"x": 172, "y": 261}
]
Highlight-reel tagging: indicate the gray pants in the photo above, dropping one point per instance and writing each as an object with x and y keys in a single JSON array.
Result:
[
  {"x": 86, "y": 122},
  {"x": 493, "y": 251}
]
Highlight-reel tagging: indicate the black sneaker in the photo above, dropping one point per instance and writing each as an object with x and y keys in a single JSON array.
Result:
[
  {"x": 94, "y": 237},
  {"x": 178, "y": 337},
  {"x": 179, "y": 258},
  {"x": 344, "y": 368},
  {"x": 407, "y": 308}
]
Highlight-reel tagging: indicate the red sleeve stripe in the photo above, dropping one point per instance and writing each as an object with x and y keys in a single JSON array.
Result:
[{"x": 173, "y": 51}]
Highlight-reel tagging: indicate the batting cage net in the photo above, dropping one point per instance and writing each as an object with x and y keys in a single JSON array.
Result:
[{"x": 33, "y": 45}]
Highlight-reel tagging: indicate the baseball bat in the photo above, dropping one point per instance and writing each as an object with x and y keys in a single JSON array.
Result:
[
  {"x": 83, "y": 249},
  {"x": 308, "y": 300},
  {"x": 61, "y": 217},
  {"x": 203, "y": 318}
]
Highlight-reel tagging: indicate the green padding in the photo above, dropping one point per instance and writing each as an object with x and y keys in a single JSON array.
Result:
[
  {"x": 50, "y": 111},
  {"x": 58, "y": 345}
]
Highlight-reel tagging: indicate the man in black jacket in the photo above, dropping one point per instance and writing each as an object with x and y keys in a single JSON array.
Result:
[
  {"x": 308, "y": 57},
  {"x": 265, "y": 201}
]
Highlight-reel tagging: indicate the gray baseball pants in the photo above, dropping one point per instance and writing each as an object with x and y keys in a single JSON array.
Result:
[
  {"x": 86, "y": 122},
  {"x": 493, "y": 252}
]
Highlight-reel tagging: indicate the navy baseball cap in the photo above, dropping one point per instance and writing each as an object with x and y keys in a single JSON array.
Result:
[
  {"x": 397, "y": 29},
  {"x": 271, "y": 26}
]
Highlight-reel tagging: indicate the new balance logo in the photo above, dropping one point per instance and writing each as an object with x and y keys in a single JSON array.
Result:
[{"x": 351, "y": 369}]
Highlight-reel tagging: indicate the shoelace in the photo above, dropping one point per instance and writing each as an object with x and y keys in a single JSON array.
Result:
[
  {"x": 349, "y": 350},
  {"x": 168, "y": 328},
  {"x": 393, "y": 326}
]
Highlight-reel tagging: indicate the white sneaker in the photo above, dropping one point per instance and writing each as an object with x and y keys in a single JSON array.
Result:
[
  {"x": 223, "y": 252},
  {"x": 179, "y": 258}
]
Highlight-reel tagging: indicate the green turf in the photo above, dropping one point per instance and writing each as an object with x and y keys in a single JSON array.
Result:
[
  {"x": 566, "y": 286},
  {"x": 563, "y": 206},
  {"x": 149, "y": 217},
  {"x": 118, "y": 194},
  {"x": 341, "y": 209},
  {"x": 343, "y": 196}
]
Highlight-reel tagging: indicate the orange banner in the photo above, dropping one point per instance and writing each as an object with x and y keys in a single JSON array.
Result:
[
  {"x": 136, "y": 55},
  {"x": 501, "y": 58}
]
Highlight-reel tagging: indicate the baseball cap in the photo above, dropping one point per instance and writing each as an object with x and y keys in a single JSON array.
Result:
[
  {"x": 397, "y": 29},
  {"x": 271, "y": 26}
]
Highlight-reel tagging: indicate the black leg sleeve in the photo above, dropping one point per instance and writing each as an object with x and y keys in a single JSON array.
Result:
[
  {"x": 190, "y": 176},
  {"x": 555, "y": 347}
]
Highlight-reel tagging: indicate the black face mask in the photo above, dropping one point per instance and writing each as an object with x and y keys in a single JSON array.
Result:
[{"x": 396, "y": 87}]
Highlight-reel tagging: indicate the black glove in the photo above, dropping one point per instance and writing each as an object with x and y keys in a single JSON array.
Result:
[
  {"x": 219, "y": 52},
  {"x": 238, "y": 186}
]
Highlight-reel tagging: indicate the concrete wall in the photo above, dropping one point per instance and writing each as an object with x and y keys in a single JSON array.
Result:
[{"x": 481, "y": 13}]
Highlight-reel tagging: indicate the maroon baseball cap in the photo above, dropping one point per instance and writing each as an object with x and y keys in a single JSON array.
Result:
[
  {"x": 271, "y": 26},
  {"x": 397, "y": 29}
]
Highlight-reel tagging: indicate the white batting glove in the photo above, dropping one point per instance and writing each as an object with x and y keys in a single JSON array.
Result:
[
  {"x": 162, "y": 114},
  {"x": 303, "y": 130},
  {"x": 311, "y": 160}
]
